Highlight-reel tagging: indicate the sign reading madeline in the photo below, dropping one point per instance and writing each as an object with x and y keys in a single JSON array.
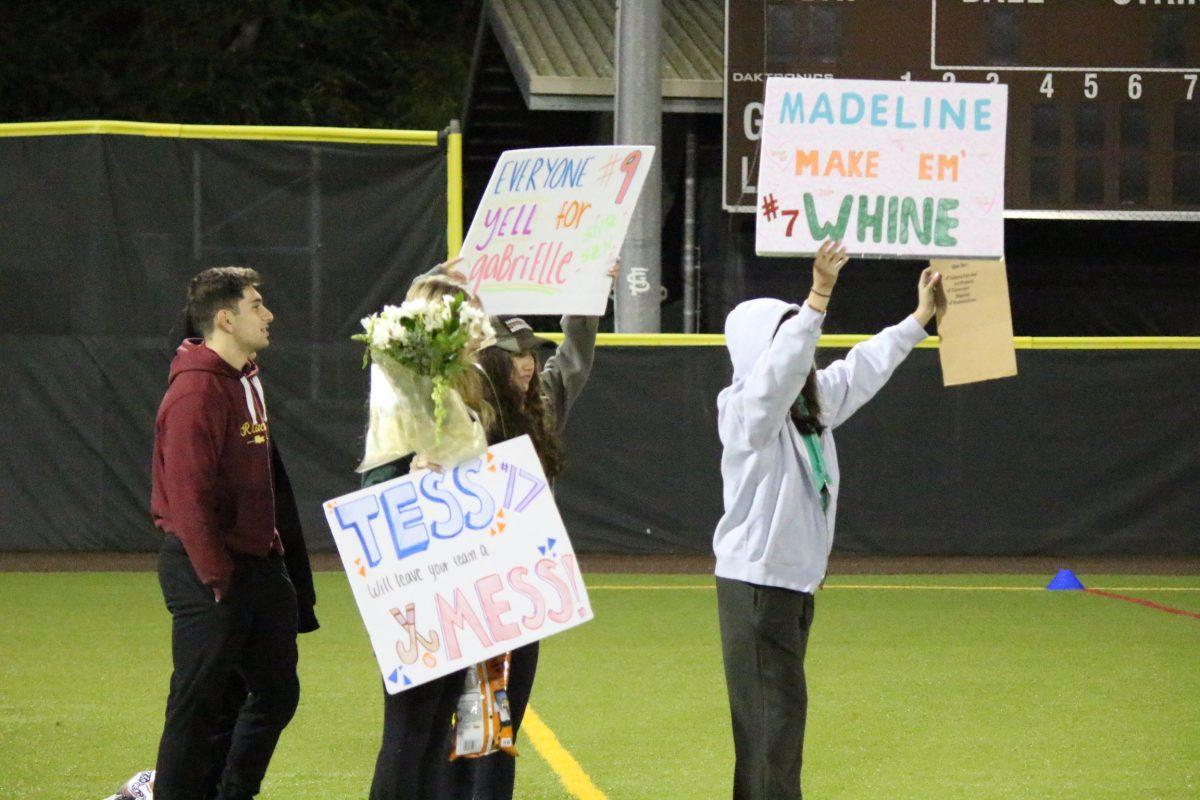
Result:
[
  {"x": 1102, "y": 125},
  {"x": 889, "y": 168}
]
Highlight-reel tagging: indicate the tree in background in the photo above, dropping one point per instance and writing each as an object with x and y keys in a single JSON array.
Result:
[{"x": 356, "y": 63}]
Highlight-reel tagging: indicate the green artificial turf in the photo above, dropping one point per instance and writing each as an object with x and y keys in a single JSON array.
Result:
[{"x": 921, "y": 693}]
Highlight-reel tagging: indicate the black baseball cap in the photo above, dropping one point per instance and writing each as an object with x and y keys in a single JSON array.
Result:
[{"x": 514, "y": 335}]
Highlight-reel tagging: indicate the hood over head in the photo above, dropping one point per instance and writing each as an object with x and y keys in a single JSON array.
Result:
[{"x": 749, "y": 329}]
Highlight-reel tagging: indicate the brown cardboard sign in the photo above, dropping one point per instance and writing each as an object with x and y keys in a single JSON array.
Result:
[{"x": 975, "y": 321}]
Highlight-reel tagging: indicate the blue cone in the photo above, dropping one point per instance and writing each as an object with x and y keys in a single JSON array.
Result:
[{"x": 1065, "y": 580}]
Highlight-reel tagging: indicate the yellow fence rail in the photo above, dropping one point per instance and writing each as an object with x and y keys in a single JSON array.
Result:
[
  {"x": 276, "y": 133},
  {"x": 280, "y": 133},
  {"x": 849, "y": 340}
]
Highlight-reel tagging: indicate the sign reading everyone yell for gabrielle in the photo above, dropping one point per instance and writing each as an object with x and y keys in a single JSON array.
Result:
[
  {"x": 451, "y": 568},
  {"x": 889, "y": 168},
  {"x": 549, "y": 227}
]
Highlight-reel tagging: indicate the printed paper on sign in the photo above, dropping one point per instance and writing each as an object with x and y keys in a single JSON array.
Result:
[
  {"x": 890, "y": 168},
  {"x": 449, "y": 569},
  {"x": 550, "y": 225}
]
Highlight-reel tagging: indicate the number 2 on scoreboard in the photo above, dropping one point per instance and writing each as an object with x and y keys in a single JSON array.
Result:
[{"x": 629, "y": 166}]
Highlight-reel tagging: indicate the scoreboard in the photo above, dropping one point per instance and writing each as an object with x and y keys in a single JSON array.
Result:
[{"x": 1104, "y": 95}]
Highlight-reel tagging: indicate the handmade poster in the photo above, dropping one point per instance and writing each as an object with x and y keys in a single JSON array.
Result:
[
  {"x": 889, "y": 168},
  {"x": 975, "y": 325},
  {"x": 449, "y": 569},
  {"x": 550, "y": 225}
]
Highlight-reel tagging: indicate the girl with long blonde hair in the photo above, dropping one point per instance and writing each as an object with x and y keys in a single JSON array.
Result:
[{"x": 415, "y": 748}]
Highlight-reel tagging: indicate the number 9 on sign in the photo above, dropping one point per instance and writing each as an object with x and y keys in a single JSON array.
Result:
[{"x": 629, "y": 166}]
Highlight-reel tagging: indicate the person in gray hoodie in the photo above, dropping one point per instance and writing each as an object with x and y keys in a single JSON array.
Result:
[{"x": 780, "y": 474}]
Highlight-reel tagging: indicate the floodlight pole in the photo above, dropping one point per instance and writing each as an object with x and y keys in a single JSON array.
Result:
[{"x": 638, "y": 120}]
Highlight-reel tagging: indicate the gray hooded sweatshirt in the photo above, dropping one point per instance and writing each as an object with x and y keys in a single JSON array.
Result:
[{"x": 774, "y": 531}]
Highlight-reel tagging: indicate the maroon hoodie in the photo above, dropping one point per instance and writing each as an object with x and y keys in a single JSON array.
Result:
[{"x": 212, "y": 463}]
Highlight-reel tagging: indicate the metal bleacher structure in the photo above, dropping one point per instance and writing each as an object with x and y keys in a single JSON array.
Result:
[{"x": 542, "y": 74}]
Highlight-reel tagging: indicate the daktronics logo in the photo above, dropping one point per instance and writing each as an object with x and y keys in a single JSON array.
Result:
[{"x": 759, "y": 77}]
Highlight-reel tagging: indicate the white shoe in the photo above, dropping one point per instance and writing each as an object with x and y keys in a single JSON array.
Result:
[{"x": 139, "y": 787}]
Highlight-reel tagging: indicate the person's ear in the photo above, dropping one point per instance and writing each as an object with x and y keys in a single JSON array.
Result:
[{"x": 222, "y": 320}]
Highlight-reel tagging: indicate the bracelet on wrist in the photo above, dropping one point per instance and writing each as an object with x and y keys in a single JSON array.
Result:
[{"x": 819, "y": 294}]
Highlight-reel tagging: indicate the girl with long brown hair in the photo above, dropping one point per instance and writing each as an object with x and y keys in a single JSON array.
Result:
[{"x": 533, "y": 402}]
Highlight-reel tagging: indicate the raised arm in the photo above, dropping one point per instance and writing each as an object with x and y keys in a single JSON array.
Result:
[
  {"x": 568, "y": 369},
  {"x": 773, "y": 382},
  {"x": 846, "y": 385}
]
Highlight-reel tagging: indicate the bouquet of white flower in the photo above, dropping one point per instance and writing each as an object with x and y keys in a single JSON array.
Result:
[{"x": 416, "y": 351}]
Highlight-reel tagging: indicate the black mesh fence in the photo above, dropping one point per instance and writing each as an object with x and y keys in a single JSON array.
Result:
[{"x": 99, "y": 235}]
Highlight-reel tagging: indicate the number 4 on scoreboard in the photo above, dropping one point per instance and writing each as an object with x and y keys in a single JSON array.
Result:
[{"x": 1048, "y": 85}]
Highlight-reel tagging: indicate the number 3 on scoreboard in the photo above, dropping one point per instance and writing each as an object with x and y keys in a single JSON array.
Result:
[{"x": 1191, "y": 82}]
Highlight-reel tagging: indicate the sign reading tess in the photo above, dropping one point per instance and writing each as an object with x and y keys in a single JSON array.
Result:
[
  {"x": 550, "y": 225},
  {"x": 890, "y": 168},
  {"x": 449, "y": 569}
]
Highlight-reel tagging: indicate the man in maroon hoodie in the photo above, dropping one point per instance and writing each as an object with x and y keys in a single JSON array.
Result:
[{"x": 233, "y": 608}]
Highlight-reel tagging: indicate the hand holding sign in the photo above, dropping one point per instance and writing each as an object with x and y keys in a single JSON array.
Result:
[
  {"x": 551, "y": 221},
  {"x": 614, "y": 272},
  {"x": 827, "y": 266},
  {"x": 927, "y": 295},
  {"x": 450, "y": 270}
]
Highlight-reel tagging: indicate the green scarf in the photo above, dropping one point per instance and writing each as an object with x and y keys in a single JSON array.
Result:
[{"x": 816, "y": 457}]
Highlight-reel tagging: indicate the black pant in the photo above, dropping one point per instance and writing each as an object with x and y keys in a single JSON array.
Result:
[
  {"x": 250, "y": 633},
  {"x": 416, "y": 743},
  {"x": 764, "y": 634},
  {"x": 231, "y": 702},
  {"x": 492, "y": 777}
]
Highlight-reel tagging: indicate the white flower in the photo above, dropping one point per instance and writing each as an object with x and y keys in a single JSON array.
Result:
[
  {"x": 381, "y": 335},
  {"x": 391, "y": 313},
  {"x": 478, "y": 325},
  {"x": 412, "y": 309},
  {"x": 435, "y": 316}
]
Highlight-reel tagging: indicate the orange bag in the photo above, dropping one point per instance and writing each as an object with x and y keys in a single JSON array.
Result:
[{"x": 483, "y": 721}]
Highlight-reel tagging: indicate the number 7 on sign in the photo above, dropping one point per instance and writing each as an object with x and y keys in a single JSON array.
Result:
[
  {"x": 535, "y": 487},
  {"x": 629, "y": 166},
  {"x": 791, "y": 214}
]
